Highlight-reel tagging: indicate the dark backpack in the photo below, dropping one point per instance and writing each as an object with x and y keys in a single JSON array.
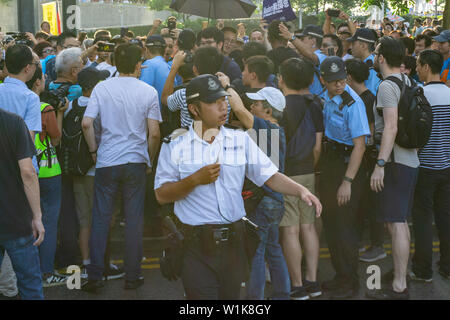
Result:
[
  {"x": 301, "y": 144},
  {"x": 74, "y": 155},
  {"x": 415, "y": 117}
]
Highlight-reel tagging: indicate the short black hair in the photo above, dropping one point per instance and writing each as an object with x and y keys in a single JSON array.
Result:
[
  {"x": 236, "y": 55},
  {"x": 251, "y": 49},
  {"x": 101, "y": 33},
  {"x": 156, "y": 50},
  {"x": 430, "y": 32},
  {"x": 409, "y": 44},
  {"x": 17, "y": 58},
  {"x": 428, "y": 40},
  {"x": 63, "y": 36},
  {"x": 343, "y": 24},
  {"x": 274, "y": 31},
  {"x": 256, "y": 30},
  {"x": 410, "y": 64},
  {"x": 211, "y": 32},
  {"x": 358, "y": 69},
  {"x": 37, "y": 75},
  {"x": 186, "y": 72},
  {"x": 392, "y": 50},
  {"x": 297, "y": 73},
  {"x": 261, "y": 65},
  {"x": 42, "y": 35},
  {"x": 433, "y": 58},
  {"x": 337, "y": 42},
  {"x": 208, "y": 60},
  {"x": 229, "y": 29},
  {"x": 127, "y": 56}
]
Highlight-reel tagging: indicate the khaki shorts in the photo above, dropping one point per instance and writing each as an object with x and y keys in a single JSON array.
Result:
[
  {"x": 83, "y": 189},
  {"x": 296, "y": 211}
]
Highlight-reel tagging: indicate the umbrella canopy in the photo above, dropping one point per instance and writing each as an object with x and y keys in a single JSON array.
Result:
[{"x": 215, "y": 9}]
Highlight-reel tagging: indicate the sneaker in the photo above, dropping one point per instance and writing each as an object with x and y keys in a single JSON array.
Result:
[
  {"x": 373, "y": 254},
  {"x": 83, "y": 273},
  {"x": 362, "y": 249},
  {"x": 445, "y": 275},
  {"x": 134, "y": 284},
  {"x": 388, "y": 294},
  {"x": 299, "y": 293},
  {"x": 92, "y": 286},
  {"x": 53, "y": 281},
  {"x": 113, "y": 272},
  {"x": 414, "y": 277},
  {"x": 313, "y": 288}
]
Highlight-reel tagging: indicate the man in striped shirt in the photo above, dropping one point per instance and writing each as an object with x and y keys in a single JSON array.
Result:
[
  {"x": 432, "y": 195},
  {"x": 207, "y": 60}
]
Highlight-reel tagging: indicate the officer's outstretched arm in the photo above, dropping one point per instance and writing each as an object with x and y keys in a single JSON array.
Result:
[
  {"x": 285, "y": 185},
  {"x": 174, "y": 191}
]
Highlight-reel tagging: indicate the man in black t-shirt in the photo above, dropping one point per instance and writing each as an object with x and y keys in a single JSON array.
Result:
[
  {"x": 357, "y": 73},
  {"x": 20, "y": 214},
  {"x": 296, "y": 75}
]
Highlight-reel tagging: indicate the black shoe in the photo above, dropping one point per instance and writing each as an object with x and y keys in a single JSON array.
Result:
[
  {"x": 299, "y": 293},
  {"x": 92, "y": 286},
  {"x": 313, "y": 288},
  {"x": 134, "y": 284},
  {"x": 3, "y": 297},
  {"x": 444, "y": 274},
  {"x": 113, "y": 272},
  {"x": 344, "y": 293},
  {"x": 388, "y": 294},
  {"x": 332, "y": 284}
]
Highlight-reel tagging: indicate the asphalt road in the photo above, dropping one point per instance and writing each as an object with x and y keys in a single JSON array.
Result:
[{"x": 157, "y": 288}]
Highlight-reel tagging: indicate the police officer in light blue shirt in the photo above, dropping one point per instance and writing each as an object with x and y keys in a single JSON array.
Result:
[
  {"x": 342, "y": 175},
  {"x": 156, "y": 68},
  {"x": 202, "y": 171},
  {"x": 363, "y": 44}
]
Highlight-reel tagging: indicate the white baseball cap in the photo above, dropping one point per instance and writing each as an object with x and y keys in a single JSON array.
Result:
[{"x": 272, "y": 95}]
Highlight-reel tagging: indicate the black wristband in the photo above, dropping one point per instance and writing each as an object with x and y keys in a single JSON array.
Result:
[
  {"x": 348, "y": 179},
  {"x": 228, "y": 87},
  {"x": 93, "y": 152}
]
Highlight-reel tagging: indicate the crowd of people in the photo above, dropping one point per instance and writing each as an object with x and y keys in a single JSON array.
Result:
[{"x": 285, "y": 134}]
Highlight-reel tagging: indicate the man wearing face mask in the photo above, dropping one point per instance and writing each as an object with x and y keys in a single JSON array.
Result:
[{"x": 346, "y": 127}]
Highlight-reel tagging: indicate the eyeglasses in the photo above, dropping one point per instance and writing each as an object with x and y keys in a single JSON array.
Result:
[{"x": 48, "y": 50}]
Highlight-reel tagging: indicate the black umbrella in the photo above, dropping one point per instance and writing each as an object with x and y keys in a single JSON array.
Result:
[{"x": 215, "y": 9}]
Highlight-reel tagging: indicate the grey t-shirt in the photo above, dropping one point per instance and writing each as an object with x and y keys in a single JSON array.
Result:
[{"x": 388, "y": 97}]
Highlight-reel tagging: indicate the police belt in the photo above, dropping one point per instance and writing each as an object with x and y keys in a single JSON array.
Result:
[
  {"x": 331, "y": 146},
  {"x": 217, "y": 233}
]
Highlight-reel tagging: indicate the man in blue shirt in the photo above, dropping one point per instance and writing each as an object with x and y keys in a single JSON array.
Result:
[
  {"x": 157, "y": 70},
  {"x": 444, "y": 48},
  {"x": 346, "y": 127},
  {"x": 363, "y": 44},
  {"x": 15, "y": 96}
]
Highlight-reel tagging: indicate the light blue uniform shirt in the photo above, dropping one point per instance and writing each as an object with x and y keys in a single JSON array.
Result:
[
  {"x": 347, "y": 124},
  {"x": 16, "y": 98},
  {"x": 156, "y": 74},
  {"x": 219, "y": 202},
  {"x": 178, "y": 79},
  {"x": 316, "y": 86},
  {"x": 373, "y": 81}
]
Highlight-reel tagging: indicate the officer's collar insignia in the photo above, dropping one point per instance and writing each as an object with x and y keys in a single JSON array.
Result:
[
  {"x": 212, "y": 85},
  {"x": 334, "y": 67}
]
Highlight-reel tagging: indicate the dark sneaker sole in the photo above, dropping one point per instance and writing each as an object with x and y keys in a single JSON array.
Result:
[
  {"x": 379, "y": 257},
  {"x": 315, "y": 294},
  {"x": 300, "y": 298},
  {"x": 415, "y": 278}
]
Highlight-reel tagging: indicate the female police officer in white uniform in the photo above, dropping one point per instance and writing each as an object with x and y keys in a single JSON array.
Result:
[
  {"x": 203, "y": 172},
  {"x": 346, "y": 127}
]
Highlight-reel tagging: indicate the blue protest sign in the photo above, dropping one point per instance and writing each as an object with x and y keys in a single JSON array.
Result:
[{"x": 278, "y": 10}]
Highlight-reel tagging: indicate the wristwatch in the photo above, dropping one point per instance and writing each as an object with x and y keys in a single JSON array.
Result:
[
  {"x": 381, "y": 163},
  {"x": 228, "y": 87},
  {"x": 293, "y": 37}
]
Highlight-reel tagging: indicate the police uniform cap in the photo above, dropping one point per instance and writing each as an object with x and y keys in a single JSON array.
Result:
[
  {"x": 155, "y": 41},
  {"x": 364, "y": 35},
  {"x": 311, "y": 30},
  {"x": 206, "y": 88},
  {"x": 89, "y": 77},
  {"x": 332, "y": 69}
]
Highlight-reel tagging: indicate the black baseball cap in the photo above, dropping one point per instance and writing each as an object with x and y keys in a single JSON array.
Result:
[
  {"x": 206, "y": 88},
  {"x": 332, "y": 69},
  {"x": 363, "y": 34},
  {"x": 89, "y": 77},
  {"x": 155, "y": 41},
  {"x": 443, "y": 37},
  {"x": 312, "y": 30}
]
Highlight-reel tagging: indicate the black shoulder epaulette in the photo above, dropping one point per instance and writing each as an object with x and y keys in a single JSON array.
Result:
[
  {"x": 175, "y": 134},
  {"x": 347, "y": 100}
]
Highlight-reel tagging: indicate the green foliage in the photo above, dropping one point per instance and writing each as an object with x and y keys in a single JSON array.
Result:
[
  {"x": 159, "y": 5},
  {"x": 399, "y": 7}
]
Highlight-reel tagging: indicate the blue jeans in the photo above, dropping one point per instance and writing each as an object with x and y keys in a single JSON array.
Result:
[
  {"x": 128, "y": 180},
  {"x": 25, "y": 261},
  {"x": 50, "y": 204},
  {"x": 267, "y": 216}
]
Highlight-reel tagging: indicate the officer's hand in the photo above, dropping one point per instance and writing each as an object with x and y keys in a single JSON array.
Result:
[
  {"x": 284, "y": 32},
  {"x": 344, "y": 193},
  {"x": 207, "y": 174},
  {"x": 310, "y": 200},
  {"x": 377, "y": 179}
]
